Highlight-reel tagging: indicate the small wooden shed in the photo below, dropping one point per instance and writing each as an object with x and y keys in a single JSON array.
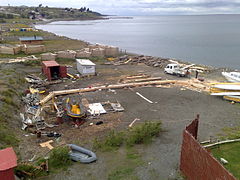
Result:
[
  {"x": 86, "y": 67},
  {"x": 53, "y": 70},
  {"x": 8, "y": 161}
]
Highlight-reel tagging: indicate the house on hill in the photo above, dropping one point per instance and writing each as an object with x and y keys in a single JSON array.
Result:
[{"x": 31, "y": 40}]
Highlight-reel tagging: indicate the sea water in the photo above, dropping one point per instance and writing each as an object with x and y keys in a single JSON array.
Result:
[{"x": 206, "y": 39}]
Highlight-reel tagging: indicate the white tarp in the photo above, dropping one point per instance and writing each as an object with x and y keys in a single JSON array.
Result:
[{"x": 96, "y": 109}]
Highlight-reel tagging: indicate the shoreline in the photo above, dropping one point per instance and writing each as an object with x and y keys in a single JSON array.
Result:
[
  {"x": 127, "y": 52},
  {"x": 203, "y": 55},
  {"x": 54, "y": 36},
  {"x": 47, "y": 21}
]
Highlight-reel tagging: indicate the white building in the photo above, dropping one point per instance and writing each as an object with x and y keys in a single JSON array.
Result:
[{"x": 85, "y": 67}]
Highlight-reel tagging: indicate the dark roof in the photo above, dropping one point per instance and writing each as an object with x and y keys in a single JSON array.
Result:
[
  {"x": 31, "y": 38},
  {"x": 8, "y": 159},
  {"x": 50, "y": 63}
]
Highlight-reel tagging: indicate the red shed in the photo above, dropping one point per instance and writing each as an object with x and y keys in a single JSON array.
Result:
[
  {"x": 53, "y": 70},
  {"x": 8, "y": 161}
]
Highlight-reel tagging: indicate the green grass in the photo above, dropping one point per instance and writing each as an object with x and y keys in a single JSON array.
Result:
[
  {"x": 65, "y": 60},
  {"x": 26, "y": 33},
  {"x": 20, "y": 22},
  {"x": 32, "y": 62},
  {"x": 7, "y": 137},
  {"x": 60, "y": 44},
  {"x": 125, "y": 167},
  {"x": 11, "y": 86},
  {"x": 231, "y": 132},
  {"x": 97, "y": 59},
  {"x": 230, "y": 152},
  {"x": 121, "y": 173},
  {"x": 12, "y": 55}
]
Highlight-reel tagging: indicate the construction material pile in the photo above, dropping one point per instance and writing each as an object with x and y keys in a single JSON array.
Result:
[
  {"x": 16, "y": 49},
  {"x": 31, "y": 49},
  {"x": 148, "y": 60},
  {"x": 91, "y": 51},
  {"x": 69, "y": 54},
  {"x": 229, "y": 91},
  {"x": 20, "y": 60},
  {"x": 48, "y": 56},
  {"x": 83, "y": 53},
  {"x": 9, "y": 49}
]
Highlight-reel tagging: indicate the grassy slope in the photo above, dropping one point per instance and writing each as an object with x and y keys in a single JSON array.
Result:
[
  {"x": 11, "y": 86},
  {"x": 230, "y": 152}
]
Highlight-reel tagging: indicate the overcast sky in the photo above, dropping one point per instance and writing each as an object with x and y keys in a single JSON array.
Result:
[{"x": 141, "y": 7}]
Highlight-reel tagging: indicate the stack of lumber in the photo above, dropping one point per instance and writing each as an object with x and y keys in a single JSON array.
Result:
[{"x": 229, "y": 91}]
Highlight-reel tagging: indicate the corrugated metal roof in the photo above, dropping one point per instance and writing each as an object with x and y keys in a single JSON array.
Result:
[
  {"x": 31, "y": 38},
  {"x": 50, "y": 63},
  {"x": 8, "y": 159},
  {"x": 85, "y": 62}
]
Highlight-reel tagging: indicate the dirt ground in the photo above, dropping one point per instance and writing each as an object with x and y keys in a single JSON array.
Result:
[{"x": 175, "y": 107}]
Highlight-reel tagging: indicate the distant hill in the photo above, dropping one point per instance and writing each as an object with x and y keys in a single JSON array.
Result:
[{"x": 45, "y": 12}]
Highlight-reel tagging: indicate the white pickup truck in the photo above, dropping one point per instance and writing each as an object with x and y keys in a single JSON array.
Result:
[{"x": 175, "y": 69}]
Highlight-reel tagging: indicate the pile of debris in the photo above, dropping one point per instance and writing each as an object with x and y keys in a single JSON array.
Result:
[
  {"x": 96, "y": 50},
  {"x": 16, "y": 49},
  {"x": 148, "y": 60},
  {"x": 20, "y": 59}
]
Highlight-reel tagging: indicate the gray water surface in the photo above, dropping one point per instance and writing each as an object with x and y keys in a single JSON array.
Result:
[{"x": 209, "y": 39}]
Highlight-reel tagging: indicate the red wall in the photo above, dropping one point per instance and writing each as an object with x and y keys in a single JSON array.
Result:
[
  {"x": 196, "y": 162},
  {"x": 36, "y": 42},
  {"x": 47, "y": 72},
  {"x": 7, "y": 174},
  {"x": 63, "y": 71}
]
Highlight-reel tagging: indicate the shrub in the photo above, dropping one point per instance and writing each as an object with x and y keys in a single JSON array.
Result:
[
  {"x": 32, "y": 63},
  {"x": 143, "y": 133},
  {"x": 112, "y": 141},
  {"x": 59, "y": 158},
  {"x": 139, "y": 134}
]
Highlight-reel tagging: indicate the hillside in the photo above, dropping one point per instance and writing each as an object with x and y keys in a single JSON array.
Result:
[{"x": 45, "y": 12}]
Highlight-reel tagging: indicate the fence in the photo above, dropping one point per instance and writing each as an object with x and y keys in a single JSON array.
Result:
[{"x": 196, "y": 162}]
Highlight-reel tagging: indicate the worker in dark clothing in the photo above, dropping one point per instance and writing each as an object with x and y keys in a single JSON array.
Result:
[{"x": 196, "y": 75}]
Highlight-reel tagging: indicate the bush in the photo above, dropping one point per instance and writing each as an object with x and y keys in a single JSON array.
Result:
[
  {"x": 59, "y": 158},
  {"x": 31, "y": 63},
  {"x": 65, "y": 60},
  {"x": 112, "y": 141},
  {"x": 139, "y": 134},
  {"x": 143, "y": 133}
]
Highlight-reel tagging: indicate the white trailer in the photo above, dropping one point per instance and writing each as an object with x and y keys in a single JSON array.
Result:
[{"x": 85, "y": 67}]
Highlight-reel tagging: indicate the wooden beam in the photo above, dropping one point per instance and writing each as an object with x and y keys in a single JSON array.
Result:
[
  {"x": 143, "y": 79},
  {"x": 138, "y": 76},
  {"x": 114, "y": 86},
  {"x": 221, "y": 142}
]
